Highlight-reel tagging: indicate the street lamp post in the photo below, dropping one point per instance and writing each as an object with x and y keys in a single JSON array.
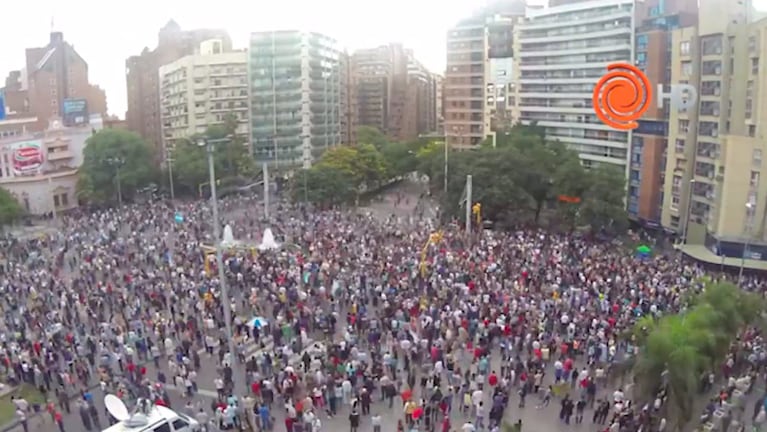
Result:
[
  {"x": 749, "y": 222},
  {"x": 117, "y": 162},
  {"x": 210, "y": 147},
  {"x": 169, "y": 161}
]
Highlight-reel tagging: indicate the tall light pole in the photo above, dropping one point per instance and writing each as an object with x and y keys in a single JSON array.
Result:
[
  {"x": 226, "y": 302},
  {"x": 117, "y": 162},
  {"x": 169, "y": 161},
  {"x": 750, "y": 207},
  {"x": 447, "y": 146}
]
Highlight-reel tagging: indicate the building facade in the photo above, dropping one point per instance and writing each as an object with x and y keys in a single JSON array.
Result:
[
  {"x": 464, "y": 84},
  {"x": 561, "y": 52},
  {"x": 656, "y": 20},
  {"x": 371, "y": 83},
  {"x": 142, "y": 77},
  {"x": 201, "y": 90},
  {"x": 420, "y": 116},
  {"x": 297, "y": 97},
  {"x": 53, "y": 84},
  {"x": 499, "y": 72},
  {"x": 714, "y": 196},
  {"x": 40, "y": 169},
  {"x": 477, "y": 48}
]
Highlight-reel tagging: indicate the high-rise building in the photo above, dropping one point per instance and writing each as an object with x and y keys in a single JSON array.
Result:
[
  {"x": 393, "y": 92},
  {"x": 655, "y": 20},
  {"x": 201, "y": 90},
  {"x": 142, "y": 77},
  {"x": 297, "y": 96},
  {"x": 56, "y": 85},
  {"x": 499, "y": 72},
  {"x": 371, "y": 83},
  {"x": 714, "y": 194},
  {"x": 439, "y": 107},
  {"x": 478, "y": 48},
  {"x": 464, "y": 84},
  {"x": 420, "y": 116},
  {"x": 561, "y": 52}
]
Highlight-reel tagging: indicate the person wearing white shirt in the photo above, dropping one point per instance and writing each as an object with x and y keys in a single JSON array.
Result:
[
  {"x": 618, "y": 396},
  {"x": 468, "y": 427}
]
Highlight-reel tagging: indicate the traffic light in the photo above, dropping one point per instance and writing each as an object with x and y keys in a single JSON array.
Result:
[{"x": 476, "y": 209}]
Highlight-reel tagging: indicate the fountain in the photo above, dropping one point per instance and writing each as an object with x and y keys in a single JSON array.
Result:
[
  {"x": 228, "y": 239},
  {"x": 267, "y": 241}
]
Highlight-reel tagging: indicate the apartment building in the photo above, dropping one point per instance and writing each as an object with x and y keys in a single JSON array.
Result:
[
  {"x": 201, "y": 90},
  {"x": 499, "y": 72},
  {"x": 439, "y": 109},
  {"x": 298, "y": 96},
  {"x": 560, "y": 53},
  {"x": 714, "y": 196},
  {"x": 142, "y": 77},
  {"x": 655, "y": 19},
  {"x": 54, "y": 79},
  {"x": 420, "y": 116},
  {"x": 373, "y": 78},
  {"x": 464, "y": 84}
]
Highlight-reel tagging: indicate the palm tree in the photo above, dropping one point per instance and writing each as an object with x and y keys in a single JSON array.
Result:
[{"x": 677, "y": 349}]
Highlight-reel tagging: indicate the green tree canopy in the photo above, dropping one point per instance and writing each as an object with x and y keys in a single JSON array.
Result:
[
  {"x": 525, "y": 174},
  {"x": 10, "y": 209},
  {"x": 675, "y": 350},
  {"x": 231, "y": 157},
  {"x": 111, "y": 156}
]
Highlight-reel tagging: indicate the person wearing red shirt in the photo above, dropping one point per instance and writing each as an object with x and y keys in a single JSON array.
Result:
[
  {"x": 255, "y": 388},
  {"x": 492, "y": 379}
]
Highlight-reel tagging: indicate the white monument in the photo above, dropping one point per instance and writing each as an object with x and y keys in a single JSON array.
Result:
[
  {"x": 267, "y": 241},
  {"x": 228, "y": 239}
]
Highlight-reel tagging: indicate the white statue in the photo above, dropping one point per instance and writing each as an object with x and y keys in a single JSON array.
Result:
[{"x": 267, "y": 241}]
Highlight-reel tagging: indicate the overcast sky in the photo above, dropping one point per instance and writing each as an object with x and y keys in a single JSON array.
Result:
[{"x": 105, "y": 33}]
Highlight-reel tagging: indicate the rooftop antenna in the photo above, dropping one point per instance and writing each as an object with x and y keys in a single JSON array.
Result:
[{"x": 52, "y": 24}]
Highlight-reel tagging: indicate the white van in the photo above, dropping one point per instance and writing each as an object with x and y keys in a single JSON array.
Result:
[{"x": 159, "y": 419}]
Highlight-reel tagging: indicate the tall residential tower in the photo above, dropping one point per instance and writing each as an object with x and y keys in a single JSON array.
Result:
[{"x": 297, "y": 96}]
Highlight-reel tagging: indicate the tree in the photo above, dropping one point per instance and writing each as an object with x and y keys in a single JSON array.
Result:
[
  {"x": 10, "y": 209},
  {"x": 674, "y": 351},
  {"x": 325, "y": 185},
  {"x": 231, "y": 157},
  {"x": 400, "y": 158},
  {"x": 113, "y": 156},
  {"x": 603, "y": 201},
  {"x": 372, "y": 136},
  {"x": 525, "y": 174}
]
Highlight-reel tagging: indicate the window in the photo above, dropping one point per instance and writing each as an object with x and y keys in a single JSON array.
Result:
[
  {"x": 754, "y": 182},
  {"x": 686, "y": 68},
  {"x": 64, "y": 200},
  {"x": 56, "y": 202},
  {"x": 684, "y": 48},
  {"x": 179, "y": 424},
  {"x": 164, "y": 427},
  {"x": 675, "y": 203}
]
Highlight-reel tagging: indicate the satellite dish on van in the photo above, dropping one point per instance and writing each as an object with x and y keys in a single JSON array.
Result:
[{"x": 116, "y": 407}]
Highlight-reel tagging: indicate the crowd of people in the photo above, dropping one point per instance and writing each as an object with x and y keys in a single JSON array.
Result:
[{"x": 353, "y": 316}]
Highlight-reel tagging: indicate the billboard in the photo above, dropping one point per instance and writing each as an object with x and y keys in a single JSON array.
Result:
[
  {"x": 75, "y": 112},
  {"x": 2, "y": 105},
  {"x": 28, "y": 158}
]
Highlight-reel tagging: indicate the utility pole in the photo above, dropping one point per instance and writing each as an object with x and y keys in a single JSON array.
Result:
[
  {"x": 266, "y": 190},
  {"x": 169, "y": 161},
  {"x": 445, "y": 167},
  {"x": 225, "y": 300},
  {"x": 468, "y": 205}
]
